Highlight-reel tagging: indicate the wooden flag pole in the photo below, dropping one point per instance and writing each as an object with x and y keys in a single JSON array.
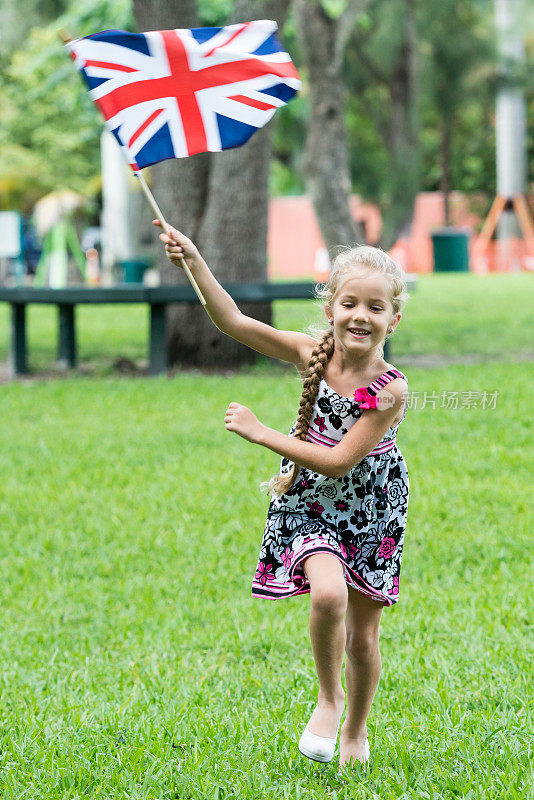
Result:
[
  {"x": 66, "y": 38},
  {"x": 155, "y": 208}
]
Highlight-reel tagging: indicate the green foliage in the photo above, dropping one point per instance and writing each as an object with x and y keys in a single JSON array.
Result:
[
  {"x": 63, "y": 149},
  {"x": 455, "y": 66},
  {"x": 287, "y": 170},
  {"x": 21, "y": 183},
  {"x": 368, "y": 68},
  {"x": 369, "y": 159},
  {"x": 459, "y": 91},
  {"x": 50, "y": 128},
  {"x": 334, "y": 8},
  {"x": 88, "y": 16},
  {"x": 283, "y": 180},
  {"x": 17, "y": 17},
  {"x": 214, "y": 13}
]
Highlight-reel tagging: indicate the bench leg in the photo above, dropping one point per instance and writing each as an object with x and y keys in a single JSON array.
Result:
[
  {"x": 18, "y": 339},
  {"x": 66, "y": 353},
  {"x": 158, "y": 343}
]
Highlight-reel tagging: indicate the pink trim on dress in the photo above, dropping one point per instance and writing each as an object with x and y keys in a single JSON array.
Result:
[
  {"x": 313, "y": 438},
  {"x": 278, "y": 589},
  {"x": 326, "y": 438}
]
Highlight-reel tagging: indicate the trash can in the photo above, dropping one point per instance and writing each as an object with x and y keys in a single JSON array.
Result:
[
  {"x": 451, "y": 250},
  {"x": 133, "y": 270}
]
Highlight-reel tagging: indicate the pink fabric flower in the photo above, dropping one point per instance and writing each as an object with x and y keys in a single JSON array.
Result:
[
  {"x": 287, "y": 557},
  {"x": 262, "y": 573},
  {"x": 364, "y": 399},
  {"x": 395, "y": 589},
  {"x": 320, "y": 423},
  {"x": 387, "y": 547},
  {"x": 315, "y": 507}
]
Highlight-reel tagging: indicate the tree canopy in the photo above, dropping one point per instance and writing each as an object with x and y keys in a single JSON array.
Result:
[{"x": 50, "y": 130}]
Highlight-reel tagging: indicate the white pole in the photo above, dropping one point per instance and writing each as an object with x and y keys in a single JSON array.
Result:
[
  {"x": 116, "y": 232},
  {"x": 510, "y": 118}
]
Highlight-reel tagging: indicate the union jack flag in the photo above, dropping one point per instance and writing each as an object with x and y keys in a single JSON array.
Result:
[{"x": 171, "y": 94}]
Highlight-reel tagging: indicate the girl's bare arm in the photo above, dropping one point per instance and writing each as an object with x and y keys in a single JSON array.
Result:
[
  {"x": 289, "y": 346},
  {"x": 335, "y": 461}
]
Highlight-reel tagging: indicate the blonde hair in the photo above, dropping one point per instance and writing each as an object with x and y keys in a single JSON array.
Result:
[{"x": 350, "y": 262}]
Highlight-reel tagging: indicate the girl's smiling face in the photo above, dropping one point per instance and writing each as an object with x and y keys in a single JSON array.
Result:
[{"x": 362, "y": 304}]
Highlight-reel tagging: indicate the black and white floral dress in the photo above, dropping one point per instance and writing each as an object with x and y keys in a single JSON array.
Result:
[{"x": 359, "y": 517}]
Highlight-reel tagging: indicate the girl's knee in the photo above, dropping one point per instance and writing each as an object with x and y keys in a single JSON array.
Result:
[
  {"x": 362, "y": 643},
  {"x": 330, "y": 598},
  {"x": 328, "y": 589}
]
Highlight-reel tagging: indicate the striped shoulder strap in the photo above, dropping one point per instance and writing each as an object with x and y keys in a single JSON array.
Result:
[{"x": 384, "y": 379}]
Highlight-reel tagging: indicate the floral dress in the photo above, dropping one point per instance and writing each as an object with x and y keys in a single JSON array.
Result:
[{"x": 359, "y": 517}]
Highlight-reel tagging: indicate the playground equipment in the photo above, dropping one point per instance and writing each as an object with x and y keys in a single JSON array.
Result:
[
  {"x": 53, "y": 220},
  {"x": 510, "y": 248},
  {"x": 53, "y": 264}
]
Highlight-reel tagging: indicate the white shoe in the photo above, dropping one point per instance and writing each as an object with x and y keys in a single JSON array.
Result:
[{"x": 318, "y": 748}]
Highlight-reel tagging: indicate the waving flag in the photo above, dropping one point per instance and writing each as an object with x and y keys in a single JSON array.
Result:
[{"x": 170, "y": 94}]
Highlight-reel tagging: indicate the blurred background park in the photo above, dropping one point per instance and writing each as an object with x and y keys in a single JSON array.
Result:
[
  {"x": 419, "y": 88},
  {"x": 413, "y": 131},
  {"x": 130, "y": 520}
]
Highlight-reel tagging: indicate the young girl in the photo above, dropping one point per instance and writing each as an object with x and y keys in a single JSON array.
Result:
[{"x": 336, "y": 522}]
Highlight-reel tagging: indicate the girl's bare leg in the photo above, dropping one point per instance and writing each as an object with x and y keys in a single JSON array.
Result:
[
  {"x": 328, "y": 637},
  {"x": 362, "y": 672}
]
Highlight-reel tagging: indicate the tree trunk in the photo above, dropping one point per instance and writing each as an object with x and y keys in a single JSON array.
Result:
[
  {"x": 218, "y": 199},
  {"x": 403, "y": 136},
  {"x": 233, "y": 234},
  {"x": 326, "y": 160}
]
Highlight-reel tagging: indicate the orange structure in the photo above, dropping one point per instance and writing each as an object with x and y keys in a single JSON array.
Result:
[{"x": 296, "y": 248}]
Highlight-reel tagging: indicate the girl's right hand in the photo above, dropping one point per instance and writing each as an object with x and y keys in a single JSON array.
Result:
[{"x": 178, "y": 246}]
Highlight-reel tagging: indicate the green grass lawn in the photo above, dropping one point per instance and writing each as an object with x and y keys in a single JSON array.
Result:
[{"x": 134, "y": 661}]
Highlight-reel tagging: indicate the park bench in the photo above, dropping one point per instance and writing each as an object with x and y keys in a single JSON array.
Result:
[{"x": 157, "y": 298}]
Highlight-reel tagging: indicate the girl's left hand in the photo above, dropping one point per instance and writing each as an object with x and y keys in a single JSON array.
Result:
[{"x": 240, "y": 419}]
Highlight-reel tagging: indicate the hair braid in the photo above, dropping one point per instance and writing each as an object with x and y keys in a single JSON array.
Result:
[{"x": 321, "y": 355}]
